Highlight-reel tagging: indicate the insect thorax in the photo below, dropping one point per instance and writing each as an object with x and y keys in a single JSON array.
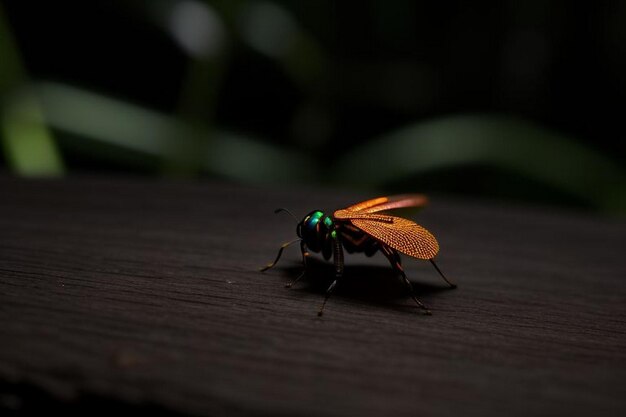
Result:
[{"x": 317, "y": 230}]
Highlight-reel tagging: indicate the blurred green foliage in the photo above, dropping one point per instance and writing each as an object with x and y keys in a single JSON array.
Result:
[
  {"x": 27, "y": 142},
  {"x": 412, "y": 145}
]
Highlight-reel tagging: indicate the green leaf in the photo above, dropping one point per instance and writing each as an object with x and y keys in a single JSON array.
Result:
[
  {"x": 107, "y": 128},
  {"x": 505, "y": 143},
  {"x": 29, "y": 146}
]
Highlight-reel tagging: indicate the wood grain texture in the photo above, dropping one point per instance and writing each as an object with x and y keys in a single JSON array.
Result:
[{"x": 127, "y": 295}]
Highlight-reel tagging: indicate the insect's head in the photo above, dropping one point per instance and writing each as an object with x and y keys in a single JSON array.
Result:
[
  {"x": 314, "y": 229},
  {"x": 309, "y": 223}
]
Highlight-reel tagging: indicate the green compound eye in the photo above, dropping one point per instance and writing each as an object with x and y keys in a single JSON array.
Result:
[
  {"x": 314, "y": 219},
  {"x": 328, "y": 222}
]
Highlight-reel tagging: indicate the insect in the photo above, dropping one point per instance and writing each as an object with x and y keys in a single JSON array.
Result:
[{"x": 365, "y": 227}]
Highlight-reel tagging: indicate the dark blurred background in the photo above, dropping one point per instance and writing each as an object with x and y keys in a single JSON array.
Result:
[{"x": 514, "y": 100}]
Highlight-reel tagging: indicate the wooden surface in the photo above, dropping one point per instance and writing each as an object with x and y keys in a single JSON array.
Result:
[{"x": 125, "y": 295}]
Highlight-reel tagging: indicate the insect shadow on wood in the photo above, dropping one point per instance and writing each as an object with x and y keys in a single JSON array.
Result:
[
  {"x": 365, "y": 227},
  {"x": 366, "y": 281}
]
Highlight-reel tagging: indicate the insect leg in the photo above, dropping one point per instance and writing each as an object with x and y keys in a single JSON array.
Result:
[
  {"x": 338, "y": 258},
  {"x": 305, "y": 254},
  {"x": 394, "y": 258},
  {"x": 280, "y": 252},
  {"x": 451, "y": 284},
  {"x": 329, "y": 291}
]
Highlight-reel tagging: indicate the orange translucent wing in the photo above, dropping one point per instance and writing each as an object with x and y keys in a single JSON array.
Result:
[
  {"x": 367, "y": 204},
  {"x": 399, "y": 201},
  {"x": 389, "y": 203},
  {"x": 400, "y": 234}
]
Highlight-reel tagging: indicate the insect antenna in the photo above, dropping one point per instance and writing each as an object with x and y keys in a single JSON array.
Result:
[
  {"x": 451, "y": 284},
  {"x": 278, "y": 210}
]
